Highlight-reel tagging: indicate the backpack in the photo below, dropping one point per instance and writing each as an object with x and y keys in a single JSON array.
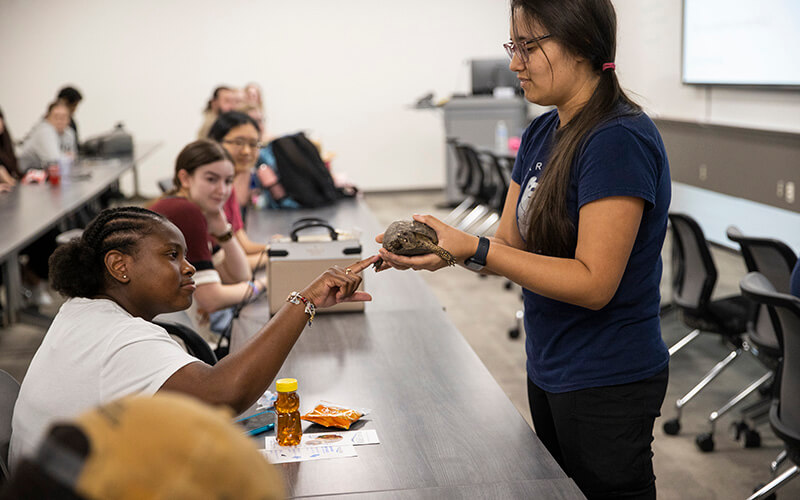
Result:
[{"x": 302, "y": 172}]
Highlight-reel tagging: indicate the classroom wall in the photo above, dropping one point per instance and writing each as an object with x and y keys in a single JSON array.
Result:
[
  {"x": 346, "y": 71},
  {"x": 649, "y": 65}
]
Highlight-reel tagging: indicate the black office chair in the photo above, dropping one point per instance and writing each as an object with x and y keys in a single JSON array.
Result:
[
  {"x": 775, "y": 260},
  {"x": 784, "y": 416},
  {"x": 496, "y": 184},
  {"x": 480, "y": 189},
  {"x": 463, "y": 181},
  {"x": 9, "y": 390},
  {"x": 693, "y": 279},
  {"x": 195, "y": 345}
]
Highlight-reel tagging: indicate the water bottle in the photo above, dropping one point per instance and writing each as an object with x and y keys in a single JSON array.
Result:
[
  {"x": 65, "y": 165},
  {"x": 501, "y": 138},
  {"x": 287, "y": 408}
]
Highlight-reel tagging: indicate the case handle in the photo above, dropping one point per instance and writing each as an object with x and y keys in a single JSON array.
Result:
[{"x": 308, "y": 222}]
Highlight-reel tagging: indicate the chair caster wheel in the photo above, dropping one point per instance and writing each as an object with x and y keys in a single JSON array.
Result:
[
  {"x": 514, "y": 333},
  {"x": 672, "y": 427},
  {"x": 705, "y": 442},
  {"x": 771, "y": 496},
  {"x": 752, "y": 439}
]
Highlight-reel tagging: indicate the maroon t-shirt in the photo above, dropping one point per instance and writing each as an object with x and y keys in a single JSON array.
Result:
[{"x": 192, "y": 223}]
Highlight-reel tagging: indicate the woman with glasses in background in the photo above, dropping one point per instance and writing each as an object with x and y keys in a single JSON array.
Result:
[
  {"x": 581, "y": 232},
  {"x": 239, "y": 134}
]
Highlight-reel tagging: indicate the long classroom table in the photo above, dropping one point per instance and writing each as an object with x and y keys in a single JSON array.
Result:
[
  {"x": 29, "y": 211},
  {"x": 446, "y": 429}
]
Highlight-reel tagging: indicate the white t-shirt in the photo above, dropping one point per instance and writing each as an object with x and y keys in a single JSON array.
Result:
[
  {"x": 45, "y": 145},
  {"x": 93, "y": 353}
]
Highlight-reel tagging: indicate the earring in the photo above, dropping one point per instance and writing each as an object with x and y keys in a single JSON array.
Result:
[{"x": 124, "y": 276}]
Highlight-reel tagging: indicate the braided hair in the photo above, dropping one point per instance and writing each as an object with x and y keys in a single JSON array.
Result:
[{"x": 77, "y": 269}]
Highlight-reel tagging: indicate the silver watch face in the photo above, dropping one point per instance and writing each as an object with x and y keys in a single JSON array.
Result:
[{"x": 473, "y": 265}]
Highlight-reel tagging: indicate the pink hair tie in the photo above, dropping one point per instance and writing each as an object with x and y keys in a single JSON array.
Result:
[{"x": 609, "y": 66}]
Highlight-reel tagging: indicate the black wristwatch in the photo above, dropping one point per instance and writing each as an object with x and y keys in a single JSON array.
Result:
[{"x": 478, "y": 261}]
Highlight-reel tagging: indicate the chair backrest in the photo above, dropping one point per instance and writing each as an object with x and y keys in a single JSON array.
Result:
[
  {"x": 775, "y": 260},
  {"x": 473, "y": 163},
  {"x": 693, "y": 271},
  {"x": 492, "y": 185},
  {"x": 500, "y": 180},
  {"x": 787, "y": 311},
  {"x": 195, "y": 345},
  {"x": 9, "y": 390},
  {"x": 770, "y": 257},
  {"x": 463, "y": 172}
]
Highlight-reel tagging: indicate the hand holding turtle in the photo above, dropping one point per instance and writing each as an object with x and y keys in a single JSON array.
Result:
[
  {"x": 339, "y": 285},
  {"x": 430, "y": 248}
]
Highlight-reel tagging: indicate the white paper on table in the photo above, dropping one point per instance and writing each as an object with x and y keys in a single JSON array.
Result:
[
  {"x": 356, "y": 438},
  {"x": 286, "y": 454}
]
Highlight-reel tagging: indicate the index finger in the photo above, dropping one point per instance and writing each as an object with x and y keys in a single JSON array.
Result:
[{"x": 360, "y": 265}]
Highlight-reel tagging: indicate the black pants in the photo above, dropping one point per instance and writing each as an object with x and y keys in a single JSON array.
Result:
[{"x": 601, "y": 436}]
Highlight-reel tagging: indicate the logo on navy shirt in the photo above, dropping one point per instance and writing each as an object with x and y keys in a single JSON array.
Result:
[{"x": 525, "y": 200}]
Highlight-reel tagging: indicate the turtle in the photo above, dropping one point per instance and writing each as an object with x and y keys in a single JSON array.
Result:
[{"x": 404, "y": 237}]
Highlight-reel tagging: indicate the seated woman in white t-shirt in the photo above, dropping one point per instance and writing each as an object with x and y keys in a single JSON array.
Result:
[
  {"x": 128, "y": 267},
  {"x": 50, "y": 140}
]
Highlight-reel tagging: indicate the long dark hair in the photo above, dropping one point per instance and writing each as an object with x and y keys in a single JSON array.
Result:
[
  {"x": 588, "y": 29},
  {"x": 7, "y": 157},
  {"x": 228, "y": 121},
  {"x": 193, "y": 156},
  {"x": 77, "y": 268}
]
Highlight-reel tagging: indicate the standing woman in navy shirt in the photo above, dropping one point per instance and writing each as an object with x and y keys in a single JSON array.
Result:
[{"x": 581, "y": 232}]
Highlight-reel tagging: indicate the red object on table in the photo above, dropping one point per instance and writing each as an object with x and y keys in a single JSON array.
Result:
[{"x": 54, "y": 174}]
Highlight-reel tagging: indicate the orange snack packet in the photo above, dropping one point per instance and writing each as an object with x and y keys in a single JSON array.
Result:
[{"x": 331, "y": 415}]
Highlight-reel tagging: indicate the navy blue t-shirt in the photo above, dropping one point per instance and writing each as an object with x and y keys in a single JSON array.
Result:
[{"x": 570, "y": 347}]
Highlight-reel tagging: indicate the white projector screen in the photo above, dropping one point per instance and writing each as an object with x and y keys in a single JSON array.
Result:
[{"x": 741, "y": 42}]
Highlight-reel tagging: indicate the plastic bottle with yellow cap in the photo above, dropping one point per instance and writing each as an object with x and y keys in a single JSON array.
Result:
[{"x": 287, "y": 407}]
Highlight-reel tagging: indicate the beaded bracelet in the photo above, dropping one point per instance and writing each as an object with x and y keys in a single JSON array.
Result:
[{"x": 311, "y": 310}]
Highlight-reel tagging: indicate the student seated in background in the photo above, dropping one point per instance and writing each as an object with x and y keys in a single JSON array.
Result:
[
  {"x": 7, "y": 182},
  {"x": 239, "y": 134},
  {"x": 203, "y": 207},
  {"x": 130, "y": 265},
  {"x": 50, "y": 140},
  {"x": 9, "y": 174},
  {"x": 71, "y": 97},
  {"x": 223, "y": 100}
]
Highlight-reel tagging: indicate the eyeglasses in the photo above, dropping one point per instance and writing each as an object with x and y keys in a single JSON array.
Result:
[
  {"x": 240, "y": 143},
  {"x": 522, "y": 49}
]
